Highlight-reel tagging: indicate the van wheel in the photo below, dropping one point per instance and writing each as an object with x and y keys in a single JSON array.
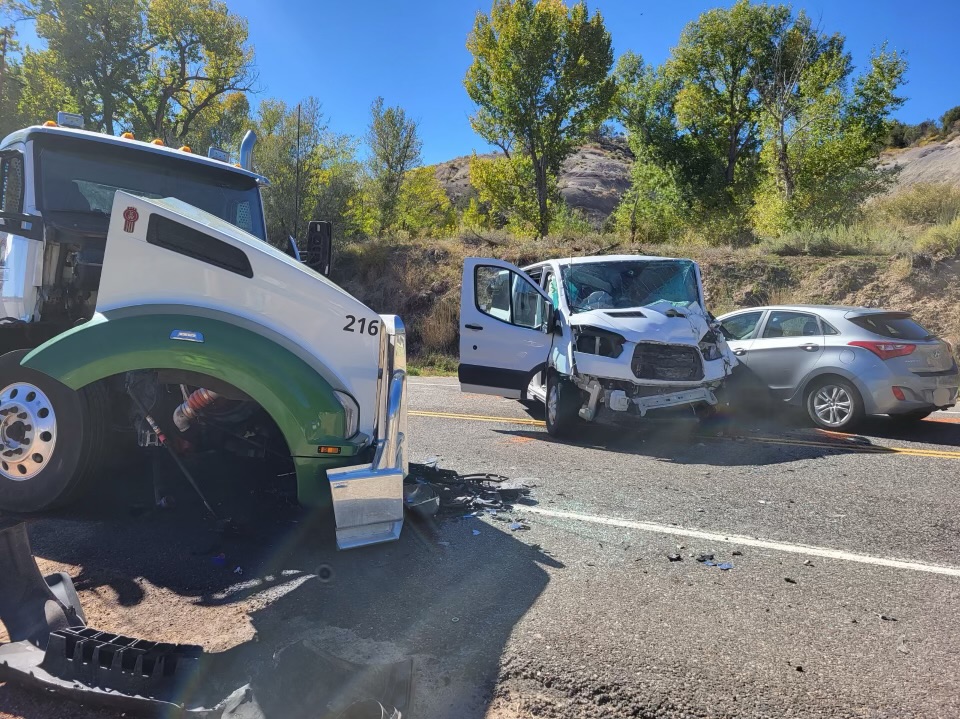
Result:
[
  {"x": 51, "y": 438},
  {"x": 563, "y": 406},
  {"x": 834, "y": 403}
]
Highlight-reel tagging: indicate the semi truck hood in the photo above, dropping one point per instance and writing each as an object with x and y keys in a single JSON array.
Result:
[
  {"x": 660, "y": 322},
  {"x": 166, "y": 253}
]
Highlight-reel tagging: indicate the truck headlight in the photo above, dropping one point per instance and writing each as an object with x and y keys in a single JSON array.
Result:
[{"x": 351, "y": 414}]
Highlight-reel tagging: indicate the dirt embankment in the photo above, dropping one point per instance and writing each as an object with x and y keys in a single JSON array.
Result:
[{"x": 420, "y": 281}]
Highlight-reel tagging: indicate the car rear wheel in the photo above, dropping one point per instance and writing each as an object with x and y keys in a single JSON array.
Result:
[
  {"x": 834, "y": 403},
  {"x": 563, "y": 405},
  {"x": 51, "y": 438}
]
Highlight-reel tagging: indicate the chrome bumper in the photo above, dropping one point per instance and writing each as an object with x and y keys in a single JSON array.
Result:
[{"x": 368, "y": 499}]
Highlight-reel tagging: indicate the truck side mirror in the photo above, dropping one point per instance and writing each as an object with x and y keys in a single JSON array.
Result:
[
  {"x": 292, "y": 249},
  {"x": 320, "y": 247},
  {"x": 550, "y": 324}
]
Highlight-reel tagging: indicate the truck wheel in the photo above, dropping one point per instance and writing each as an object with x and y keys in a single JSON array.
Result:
[
  {"x": 834, "y": 403},
  {"x": 563, "y": 406},
  {"x": 50, "y": 437}
]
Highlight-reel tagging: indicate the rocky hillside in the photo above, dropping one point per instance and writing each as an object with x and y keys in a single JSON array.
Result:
[
  {"x": 932, "y": 162},
  {"x": 592, "y": 179}
]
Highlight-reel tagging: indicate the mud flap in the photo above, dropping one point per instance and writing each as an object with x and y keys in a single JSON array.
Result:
[
  {"x": 52, "y": 650},
  {"x": 29, "y": 608}
]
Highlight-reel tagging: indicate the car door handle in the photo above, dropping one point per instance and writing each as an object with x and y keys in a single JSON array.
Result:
[
  {"x": 810, "y": 347},
  {"x": 739, "y": 352},
  {"x": 473, "y": 327}
]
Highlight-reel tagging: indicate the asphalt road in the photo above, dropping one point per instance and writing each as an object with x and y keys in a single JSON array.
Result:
[{"x": 841, "y": 601}]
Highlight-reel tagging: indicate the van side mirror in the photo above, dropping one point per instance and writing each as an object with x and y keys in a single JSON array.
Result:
[
  {"x": 319, "y": 255},
  {"x": 550, "y": 324}
]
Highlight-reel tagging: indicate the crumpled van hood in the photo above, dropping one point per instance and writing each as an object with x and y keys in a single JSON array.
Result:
[{"x": 654, "y": 326}]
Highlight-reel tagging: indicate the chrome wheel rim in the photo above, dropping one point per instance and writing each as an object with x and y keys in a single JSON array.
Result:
[
  {"x": 553, "y": 400},
  {"x": 28, "y": 431},
  {"x": 833, "y": 405}
]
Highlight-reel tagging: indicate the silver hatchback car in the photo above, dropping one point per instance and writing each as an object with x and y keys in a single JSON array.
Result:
[{"x": 842, "y": 363}]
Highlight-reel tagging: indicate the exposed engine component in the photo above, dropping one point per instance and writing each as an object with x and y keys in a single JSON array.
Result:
[{"x": 199, "y": 399}]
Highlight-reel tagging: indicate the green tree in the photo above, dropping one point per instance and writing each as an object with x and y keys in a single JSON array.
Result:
[
  {"x": 424, "y": 209},
  {"x": 199, "y": 54},
  {"x": 540, "y": 79},
  {"x": 394, "y": 150},
  {"x": 154, "y": 66},
  {"x": 10, "y": 81},
  {"x": 951, "y": 120},
  {"x": 503, "y": 190},
  {"x": 830, "y": 142}
]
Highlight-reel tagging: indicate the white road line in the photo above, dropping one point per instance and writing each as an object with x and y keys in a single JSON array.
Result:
[{"x": 804, "y": 549}]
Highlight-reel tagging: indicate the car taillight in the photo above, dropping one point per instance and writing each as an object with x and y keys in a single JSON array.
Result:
[{"x": 886, "y": 350}]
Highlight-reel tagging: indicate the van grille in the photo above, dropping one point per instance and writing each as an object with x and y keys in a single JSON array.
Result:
[{"x": 667, "y": 363}]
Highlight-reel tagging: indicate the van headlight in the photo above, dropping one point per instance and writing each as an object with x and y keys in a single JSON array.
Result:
[
  {"x": 597, "y": 341},
  {"x": 351, "y": 414},
  {"x": 709, "y": 346}
]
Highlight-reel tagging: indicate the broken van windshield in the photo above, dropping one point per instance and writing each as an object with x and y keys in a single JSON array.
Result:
[
  {"x": 85, "y": 179},
  {"x": 630, "y": 283}
]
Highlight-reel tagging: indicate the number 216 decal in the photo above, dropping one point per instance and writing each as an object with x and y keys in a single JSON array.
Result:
[{"x": 370, "y": 327}]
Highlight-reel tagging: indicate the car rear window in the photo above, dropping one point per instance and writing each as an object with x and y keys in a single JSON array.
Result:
[{"x": 898, "y": 327}]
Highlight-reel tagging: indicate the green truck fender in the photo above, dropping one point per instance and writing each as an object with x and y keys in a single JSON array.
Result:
[{"x": 299, "y": 400}]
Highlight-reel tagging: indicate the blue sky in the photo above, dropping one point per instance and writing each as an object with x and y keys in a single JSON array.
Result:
[{"x": 413, "y": 53}]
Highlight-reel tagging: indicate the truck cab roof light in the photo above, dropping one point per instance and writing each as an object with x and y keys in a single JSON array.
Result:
[
  {"x": 186, "y": 148},
  {"x": 157, "y": 141},
  {"x": 50, "y": 123},
  {"x": 70, "y": 119},
  {"x": 128, "y": 136}
]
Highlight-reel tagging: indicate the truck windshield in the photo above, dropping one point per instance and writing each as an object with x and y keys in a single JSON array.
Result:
[
  {"x": 630, "y": 283},
  {"x": 82, "y": 177}
]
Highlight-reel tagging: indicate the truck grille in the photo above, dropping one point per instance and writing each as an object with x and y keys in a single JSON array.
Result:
[{"x": 668, "y": 363}]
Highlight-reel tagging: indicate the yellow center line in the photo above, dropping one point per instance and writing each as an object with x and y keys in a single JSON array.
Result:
[
  {"x": 478, "y": 418},
  {"x": 841, "y": 446}
]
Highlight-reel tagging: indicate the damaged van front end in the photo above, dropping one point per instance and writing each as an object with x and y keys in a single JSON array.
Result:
[{"x": 629, "y": 362}]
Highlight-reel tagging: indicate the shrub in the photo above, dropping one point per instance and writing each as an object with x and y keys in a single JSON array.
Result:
[
  {"x": 921, "y": 204},
  {"x": 940, "y": 241}
]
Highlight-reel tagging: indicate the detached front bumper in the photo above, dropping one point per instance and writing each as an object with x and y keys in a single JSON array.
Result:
[{"x": 368, "y": 499}]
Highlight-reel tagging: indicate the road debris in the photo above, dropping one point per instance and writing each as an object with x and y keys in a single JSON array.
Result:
[
  {"x": 808, "y": 563},
  {"x": 705, "y": 558},
  {"x": 519, "y": 526},
  {"x": 469, "y": 495},
  {"x": 789, "y": 581},
  {"x": 476, "y": 532},
  {"x": 886, "y": 618},
  {"x": 238, "y": 571},
  {"x": 736, "y": 553},
  {"x": 674, "y": 557}
]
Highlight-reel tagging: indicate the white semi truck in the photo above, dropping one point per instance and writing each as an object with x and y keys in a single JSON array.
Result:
[{"x": 138, "y": 288}]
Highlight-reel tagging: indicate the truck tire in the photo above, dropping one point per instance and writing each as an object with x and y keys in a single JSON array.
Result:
[
  {"x": 51, "y": 438},
  {"x": 563, "y": 406}
]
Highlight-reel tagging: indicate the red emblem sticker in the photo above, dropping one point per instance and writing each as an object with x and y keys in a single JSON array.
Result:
[{"x": 130, "y": 217}]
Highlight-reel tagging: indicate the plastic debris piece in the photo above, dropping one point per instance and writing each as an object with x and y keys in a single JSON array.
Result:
[
  {"x": 808, "y": 563},
  {"x": 886, "y": 618},
  {"x": 674, "y": 557},
  {"x": 799, "y": 668},
  {"x": 431, "y": 462},
  {"x": 455, "y": 619},
  {"x": 518, "y": 526},
  {"x": 704, "y": 557},
  {"x": 709, "y": 563},
  {"x": 238, "y": 570},
  {"x": 789, "y": 581},
  {"x": 725, "y": 566},
  {"x": 736, "y": 553},
  {"x": 476, "y": 532}
]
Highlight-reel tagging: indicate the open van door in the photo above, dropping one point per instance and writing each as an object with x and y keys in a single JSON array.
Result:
[{"x": 506, "y": 328}]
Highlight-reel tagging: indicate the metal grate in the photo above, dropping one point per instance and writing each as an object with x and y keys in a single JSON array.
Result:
[{"x": 668, "y": 363}]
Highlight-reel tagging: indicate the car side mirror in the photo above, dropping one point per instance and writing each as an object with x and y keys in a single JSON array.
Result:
[{"x": 320, "y": 247}]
